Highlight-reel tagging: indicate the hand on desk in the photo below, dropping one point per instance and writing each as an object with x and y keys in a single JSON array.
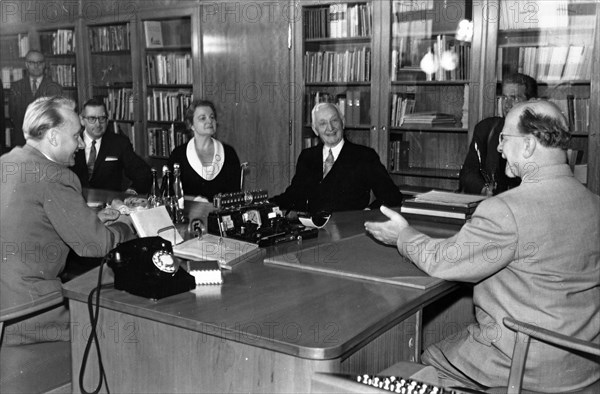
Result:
[
  {"x": 108, "y": 215},
  {"x": 387, "y": 232}
]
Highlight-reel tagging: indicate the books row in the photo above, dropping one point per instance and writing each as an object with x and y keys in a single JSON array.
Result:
[
  {"x": 59, "y": 42},
  {"x": 547, "y": 63},
  {"x": 429, "y": 118},
  {"x": 399, "y": 155},
  {"x": 338, "y": 21},
  {"x": 109, "y": 38},
  {"x": 64, "y": 74},
  {"x": 575, "y": 109},
  {"x": 169, "y": 69},
  {"x": 13, "y": 47},
  {"x": 536, "y": 14},
  {"x": 119, "y": 104},
  {"x": 577, "y": 112},
  {"x": 168, "y": 106},
  {"x": 401, "y": 105},
  {"x": 354, "y": 104},
  {"x": 11, "y": 74},
  {"x": 162, "y": 141},
  {"x": 328, "y": 66}
]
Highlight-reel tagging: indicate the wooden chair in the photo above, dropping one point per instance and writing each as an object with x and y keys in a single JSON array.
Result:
[
  {"x": 39, "y": 367},
  {"x": 524, "y": 334}
]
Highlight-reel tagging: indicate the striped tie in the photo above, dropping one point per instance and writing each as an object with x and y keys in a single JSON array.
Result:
[
  {"x": 328, "y": 164},
  {"x": 91, "y": 159}
]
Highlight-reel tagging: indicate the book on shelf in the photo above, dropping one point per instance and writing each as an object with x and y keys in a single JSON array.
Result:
[
  {"x": 429, "y": 118},
  {"x": 162, "y": 140},
  {"x": 153, "y": 34},
  {"x": 109, "y": 38},
  {"x": 351, "y": 65},
  {"x": 228, "y": 252},
  {"x": 338, "y": 21}
]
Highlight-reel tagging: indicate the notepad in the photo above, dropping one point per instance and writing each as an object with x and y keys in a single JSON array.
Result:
[
  {"x": 205, "y": 272},
  {"x": 227, "y": 251}
]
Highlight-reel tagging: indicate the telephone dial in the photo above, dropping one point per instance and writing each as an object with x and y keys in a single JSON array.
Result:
[{"x": 146, "y": 267}]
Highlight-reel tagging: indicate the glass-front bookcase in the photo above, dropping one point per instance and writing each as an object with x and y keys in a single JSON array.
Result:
[{"x": 554, "y": 43}]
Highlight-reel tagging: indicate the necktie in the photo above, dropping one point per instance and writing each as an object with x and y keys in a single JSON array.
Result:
[
  {"x": 328, "y": 164},
  {"x": 34, "y": 85},
  {"x": 91, "y": 159}
]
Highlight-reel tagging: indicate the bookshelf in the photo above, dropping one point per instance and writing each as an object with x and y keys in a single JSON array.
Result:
[
  {"x": 14, "y": 47},
  {"x": 59, "y": 46},
  {"x": 167, "y": 81},
  {"x": 111, "y": 75},
  {"x": 418, "y": 123},
  {"x": 553, "y": 42},
  {"x": 428, "y": 112},
  {"x": 337, "y": 41}
]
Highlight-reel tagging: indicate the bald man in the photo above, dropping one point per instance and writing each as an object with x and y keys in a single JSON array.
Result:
[
  {"x": 34, "y": 84},
  {"x": 531, "y": 252}
]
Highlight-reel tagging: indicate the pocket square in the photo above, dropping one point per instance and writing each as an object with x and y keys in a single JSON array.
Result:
[{"x": 111, "y": 158}]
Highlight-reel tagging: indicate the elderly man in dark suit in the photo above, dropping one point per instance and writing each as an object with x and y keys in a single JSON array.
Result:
[
  {"x": 337, "y": 175},
  {"x": 24, "y": 91},
  {"x": 108, "y": 156}
]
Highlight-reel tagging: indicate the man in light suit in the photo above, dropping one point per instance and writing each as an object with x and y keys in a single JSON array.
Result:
[
  {"x": 43, "y": 215},
  {"x": 532, "y": 253},
  {"x": 112, "y": 155},
  {"x": 337, "y": 175},
  {"x": 35, "y": 84}
]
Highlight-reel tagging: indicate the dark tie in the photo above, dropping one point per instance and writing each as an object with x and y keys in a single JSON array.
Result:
[
  {"x": 328, "y": 164},
  {"x": 91, "y": 159},
  {"x": 34, "y": 85}
]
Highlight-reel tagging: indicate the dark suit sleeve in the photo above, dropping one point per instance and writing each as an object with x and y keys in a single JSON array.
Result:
[
  {"x": 384, "y": 189},
  {"x": 296, "y": 195},
  {"x": 471, "y": 180},
  {"x": 136, "y": 169}
]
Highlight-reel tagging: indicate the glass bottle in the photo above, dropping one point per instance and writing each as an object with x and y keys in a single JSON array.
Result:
[
  {"x": 164, "y": 187},
  {"x": 177, "y": 185},
  {"x": 154, "y": 198}
]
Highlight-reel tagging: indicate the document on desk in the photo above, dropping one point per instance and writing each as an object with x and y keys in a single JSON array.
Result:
[
  {"x": 358, "y": 257},
  {"x": 227, "y": 251}
]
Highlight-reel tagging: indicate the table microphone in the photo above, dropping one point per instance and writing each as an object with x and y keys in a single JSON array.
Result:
[{"x": 243, "y": 167}]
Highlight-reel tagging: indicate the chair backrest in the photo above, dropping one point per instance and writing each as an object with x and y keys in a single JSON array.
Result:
[
  {"x": 34, "y": 368},
  {"x": 527, "y": 331}
]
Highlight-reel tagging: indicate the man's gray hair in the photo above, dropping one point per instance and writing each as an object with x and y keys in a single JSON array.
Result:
[
  {"x": 320, "y": 106},
  {"x": 44, "y": 114}
]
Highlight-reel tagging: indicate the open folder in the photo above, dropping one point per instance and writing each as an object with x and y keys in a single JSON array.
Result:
[
  {"x": 227, "y": 251},
  {"x": 156, "y": 222}
]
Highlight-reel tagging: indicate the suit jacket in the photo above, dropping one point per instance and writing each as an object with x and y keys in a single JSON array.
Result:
[
  {"x": 486, "y": 136},
  {"x": 114, "y": 159},
  {"x": 534, "y": 255},
  {"x": 348, "y": 185},
  {"x": 43, "y": 215},
  {"x": 21, "y": 96}
]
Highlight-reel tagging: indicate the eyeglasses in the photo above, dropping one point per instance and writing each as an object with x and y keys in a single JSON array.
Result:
[
  {"x": 94, "y": 119},
  {"x": 36, "y": 64},
  {"x": 502, "y": 136},
  {"x": 513, "y": 99}
]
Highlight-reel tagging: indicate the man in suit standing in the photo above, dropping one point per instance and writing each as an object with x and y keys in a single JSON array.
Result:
[
  {"x": 24, "y": 91},
  {"x": 532, "y": 253},
  {"x": 337, "y": 175},
  {"x": 108, "y": 156}
]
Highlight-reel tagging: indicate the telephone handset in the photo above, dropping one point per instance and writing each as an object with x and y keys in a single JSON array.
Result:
[{"x": 146, "y": 267}]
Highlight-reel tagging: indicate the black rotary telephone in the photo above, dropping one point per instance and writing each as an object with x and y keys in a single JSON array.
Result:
[{"x": 147, "y": 267}]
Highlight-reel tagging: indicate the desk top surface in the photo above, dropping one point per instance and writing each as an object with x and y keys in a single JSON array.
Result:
[{"x": 301, "y": 313}]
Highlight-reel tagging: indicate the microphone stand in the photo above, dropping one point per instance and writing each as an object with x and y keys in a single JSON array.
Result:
[{"x": 243, "y": 167}]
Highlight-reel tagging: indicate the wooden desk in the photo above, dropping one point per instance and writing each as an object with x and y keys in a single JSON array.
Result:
[{"x": 266, "y": 329}]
